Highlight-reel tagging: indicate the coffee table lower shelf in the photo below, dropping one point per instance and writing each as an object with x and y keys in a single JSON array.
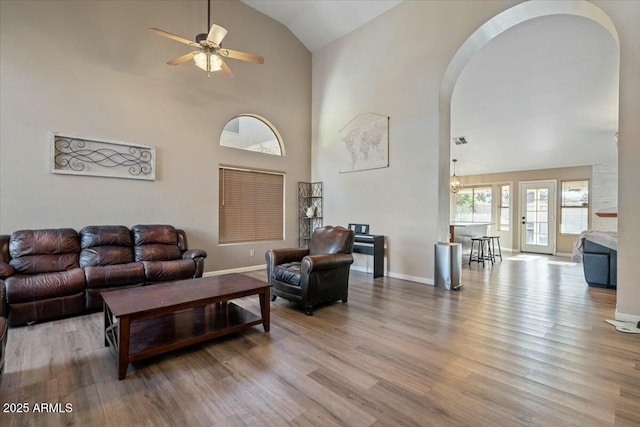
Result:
[{"x": 156, "y": 335}]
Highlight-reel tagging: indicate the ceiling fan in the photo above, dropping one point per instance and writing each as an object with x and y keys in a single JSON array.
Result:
[{"x": 209, "y": 52}]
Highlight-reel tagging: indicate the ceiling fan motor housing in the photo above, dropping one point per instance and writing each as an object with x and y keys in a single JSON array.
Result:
[{"x": 201, "y": 37}]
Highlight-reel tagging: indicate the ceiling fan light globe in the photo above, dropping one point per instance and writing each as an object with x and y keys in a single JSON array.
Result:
[
  {"x": 200, "y": 59},
  {"x": 207, "y": 61}
]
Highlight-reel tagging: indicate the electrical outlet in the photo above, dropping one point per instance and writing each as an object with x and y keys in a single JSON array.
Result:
[{"x": 252, "y": 252}]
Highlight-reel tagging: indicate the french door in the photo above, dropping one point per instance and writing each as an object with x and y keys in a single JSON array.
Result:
[{"x": 538, "y": 217}]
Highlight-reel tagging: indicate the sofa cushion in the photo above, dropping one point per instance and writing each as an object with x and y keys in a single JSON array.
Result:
[
  {"x": 156, "y": 252},
  {"x": 40, "y": 264},
  {"x": 46, "y": 241},
  {"x": 105, "y": 245},
  {"x": 114, "y": 275},
  {"x": 155, "y": 242},
  {"x": 151, "y": 234},
  {"x": 287, "y": 273},
  {"x": 162, "y": 271},
  {"x": 28, "y": 288},
  {"x": 105, "y": 255},
  {"x": 44, "y": 251},
  {"x": 105, "y": 235}
]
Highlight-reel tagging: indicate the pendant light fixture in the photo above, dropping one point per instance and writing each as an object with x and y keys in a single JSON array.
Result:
[{"x": 455, "y": 184}]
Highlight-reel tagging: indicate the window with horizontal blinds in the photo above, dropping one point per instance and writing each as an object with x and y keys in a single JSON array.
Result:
[
  {"x": 250, "y": 206},
  {"x": 574, "y": 214}
]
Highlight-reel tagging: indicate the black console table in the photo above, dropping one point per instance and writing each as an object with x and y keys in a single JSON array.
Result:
[{"x": 369, "y": 244}]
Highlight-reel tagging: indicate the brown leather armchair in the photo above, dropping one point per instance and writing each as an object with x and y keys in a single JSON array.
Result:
[{"x": 319, "y": 274}]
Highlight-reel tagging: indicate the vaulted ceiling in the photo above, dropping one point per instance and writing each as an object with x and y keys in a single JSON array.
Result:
[
  {"x": 317, "y": 23},
  {"x": 544, "y": 94}
]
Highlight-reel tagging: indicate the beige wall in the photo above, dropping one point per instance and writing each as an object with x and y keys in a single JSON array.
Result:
[
  {"x": 564, "y": 242},
  {"x": 395, "y": 66},
  {"x": 91, "y": 68},
  {"x": 391, "y": 66},
  {"x": 625, "y": 16}
]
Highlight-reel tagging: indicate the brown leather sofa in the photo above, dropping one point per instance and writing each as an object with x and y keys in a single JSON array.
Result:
[
  {"x": 51, "y": 273},
  {"x": 314, "y": 275}
]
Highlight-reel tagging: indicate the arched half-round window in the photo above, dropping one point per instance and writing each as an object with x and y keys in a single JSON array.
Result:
[{"x": 252, "y": 133}]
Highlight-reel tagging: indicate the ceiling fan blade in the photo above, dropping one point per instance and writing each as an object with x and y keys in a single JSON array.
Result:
[
  {"x": 226, "y": 71},
  {"x": 173, "y": 37},
  {"x": 242, "y": 56},
  {"x": 216, "y": 35},
  {"x": 181, "y": 59}
]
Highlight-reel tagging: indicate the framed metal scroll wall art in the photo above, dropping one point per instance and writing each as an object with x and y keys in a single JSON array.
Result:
[{"x": 73, "y": 155}]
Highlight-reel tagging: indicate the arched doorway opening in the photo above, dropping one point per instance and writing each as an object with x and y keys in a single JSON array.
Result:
[{"x": 491, "y": 29}]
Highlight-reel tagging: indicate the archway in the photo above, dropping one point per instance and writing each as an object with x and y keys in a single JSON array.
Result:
[{"x": 483, "y": 35}]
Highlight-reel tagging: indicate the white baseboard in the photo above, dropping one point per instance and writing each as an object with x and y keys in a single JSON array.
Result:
[
  {"x": 625, "y": 317},
  {"x": 417, "y": 279},
  {"x": 363, "y": 269},
  {"x": 235, "y": 270}
]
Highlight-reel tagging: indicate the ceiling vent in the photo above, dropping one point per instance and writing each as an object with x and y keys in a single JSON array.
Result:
[{"x": 461, "y": 140}]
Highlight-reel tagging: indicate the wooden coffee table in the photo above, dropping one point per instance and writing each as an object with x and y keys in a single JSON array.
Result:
[{"x": 149, "y": 320}]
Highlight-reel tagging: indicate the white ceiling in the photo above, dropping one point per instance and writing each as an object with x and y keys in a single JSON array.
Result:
[
  {"x": 544, "y": 94},
  {"x": 317, "y": 23}
]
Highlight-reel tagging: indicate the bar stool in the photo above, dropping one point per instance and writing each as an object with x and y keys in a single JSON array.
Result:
[
  {"x": 492, "y": 245},
  {"x": 481, "y": 256}
]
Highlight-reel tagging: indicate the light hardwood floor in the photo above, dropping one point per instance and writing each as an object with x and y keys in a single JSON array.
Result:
[{"x": 523, "y": 344}]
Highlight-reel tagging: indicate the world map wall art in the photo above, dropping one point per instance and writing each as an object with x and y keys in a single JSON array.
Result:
[{"x": 365, "y": 143}]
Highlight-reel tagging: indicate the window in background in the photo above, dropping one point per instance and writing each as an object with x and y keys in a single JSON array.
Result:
[
  {"x": 574, "y": 207},
  {"x": 251, "y": 206},
  {"x": 473, "y": 205},
  {"x": 252, "y": 133},
  {"x": 505, "y": 207}
]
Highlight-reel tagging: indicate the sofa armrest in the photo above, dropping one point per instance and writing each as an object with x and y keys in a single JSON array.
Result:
[
  {"x": 4, "y": 312},
  {"x": 6, "y": 270},
  {"x": 183, "y": 243},
  {"x": 280, "y": 256},
  {"x": 194, "y": 253},
  {"x": 4, "y": 248},
  {"x": 325, "y": 262}
]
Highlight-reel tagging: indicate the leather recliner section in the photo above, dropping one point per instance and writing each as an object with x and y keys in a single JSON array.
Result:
[{"x": 108, "y": 261}]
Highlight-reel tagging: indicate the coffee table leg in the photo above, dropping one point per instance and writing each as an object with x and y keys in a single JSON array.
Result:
[
  {"x": 123, "y": 346},
  {"x": 265, "y": 310}
]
